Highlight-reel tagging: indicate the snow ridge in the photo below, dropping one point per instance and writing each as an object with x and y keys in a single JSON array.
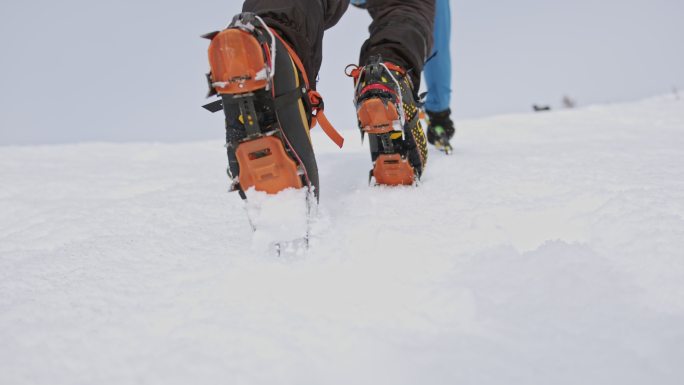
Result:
[{"x": 547, "y": 249}]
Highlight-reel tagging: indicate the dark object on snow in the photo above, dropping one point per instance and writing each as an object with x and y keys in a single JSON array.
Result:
[
  {"x": 440, "y": 130},
  {"x": 538, "y": 108},
  {"x": 568, "y": 102}
]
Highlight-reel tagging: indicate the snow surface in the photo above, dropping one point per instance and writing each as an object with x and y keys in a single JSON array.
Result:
[{"x": 547, "y": 250}]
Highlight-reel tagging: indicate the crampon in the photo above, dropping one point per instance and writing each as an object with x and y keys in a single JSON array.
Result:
[
  {"x": 388, "y": 112},
  {"x": 269, "y": 108}
]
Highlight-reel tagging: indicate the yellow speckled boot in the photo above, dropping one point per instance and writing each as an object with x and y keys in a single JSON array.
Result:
[{"x": 388, "y": 112}]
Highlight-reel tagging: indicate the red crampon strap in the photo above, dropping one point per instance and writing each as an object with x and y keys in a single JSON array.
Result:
[
  {"x": 354, "y": 71},
  {"x": 395, "y": 67},
  {"x": 317, "y": 114}
]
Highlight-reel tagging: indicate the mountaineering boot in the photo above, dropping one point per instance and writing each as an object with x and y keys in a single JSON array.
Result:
[
  {"x": 440, "y": 130},
  {"x": 269, "y": 108},
  {"x": 388, "y": 112}
]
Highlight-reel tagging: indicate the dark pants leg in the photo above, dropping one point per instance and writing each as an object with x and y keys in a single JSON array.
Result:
[
  {"x": 301, "y": 23},
  {"x": 401, "y": 32}
]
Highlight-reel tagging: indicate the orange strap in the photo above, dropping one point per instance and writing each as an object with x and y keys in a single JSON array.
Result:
[
  {"x": 355, "y": 70},
  {"x": 315, "y": 98},
  {"x": 294, "y": 57},
  {"x": 319, "y": 117},
  {"x": 395, "y": 67},
  {"x": 328, "y": 128}
]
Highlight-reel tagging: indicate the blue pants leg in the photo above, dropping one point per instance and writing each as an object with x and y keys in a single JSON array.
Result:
[{"x": 438, "y": 70}]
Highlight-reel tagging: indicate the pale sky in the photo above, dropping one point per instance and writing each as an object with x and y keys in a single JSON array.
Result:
[{"x": 78, "y": 70}]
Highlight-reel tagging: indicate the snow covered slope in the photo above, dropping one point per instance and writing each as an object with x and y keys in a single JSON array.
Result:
[{"x": 549, "y": 249}]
